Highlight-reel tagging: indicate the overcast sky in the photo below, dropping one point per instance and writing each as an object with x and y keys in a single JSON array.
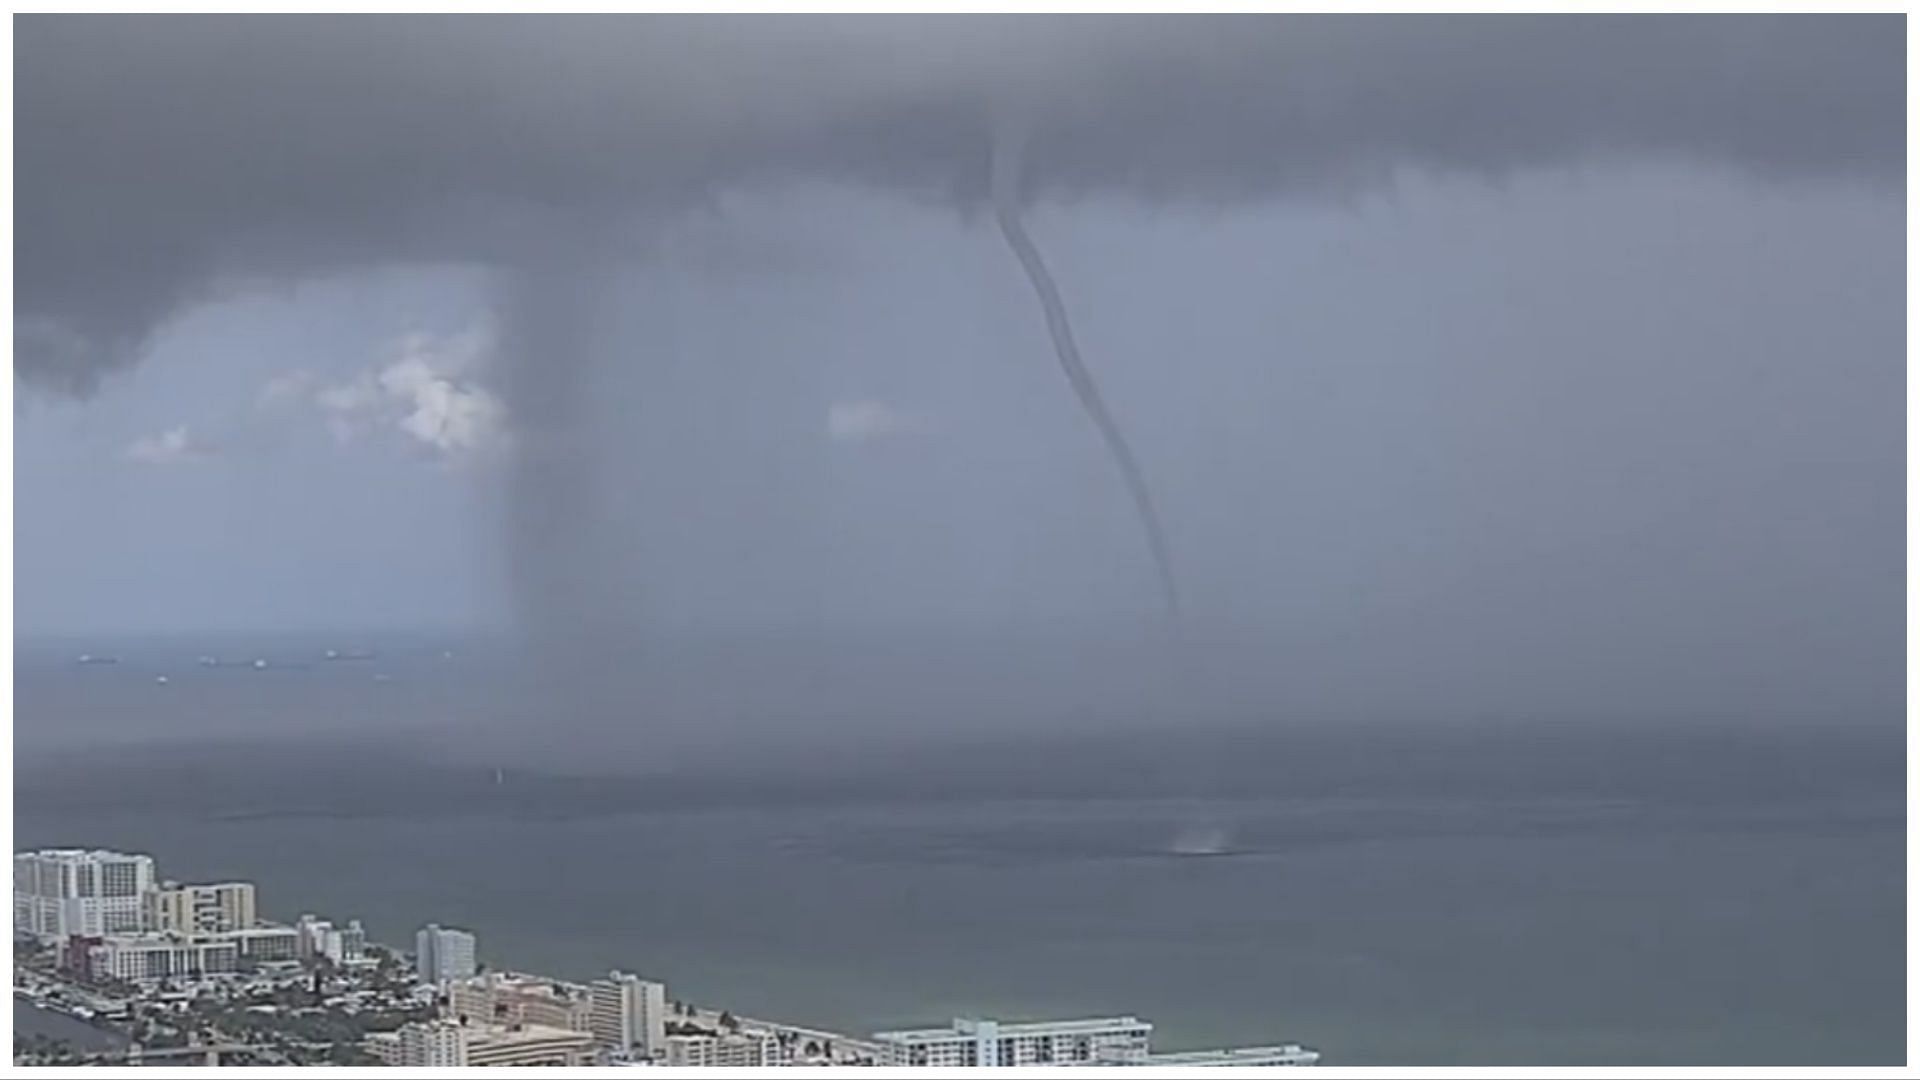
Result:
[{"x": 1546, "y": 342}]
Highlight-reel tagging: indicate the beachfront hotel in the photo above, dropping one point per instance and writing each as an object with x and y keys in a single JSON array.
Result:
[
  {"x": 1118, "y": 1040},
  {"x": 61, "y": 892}
]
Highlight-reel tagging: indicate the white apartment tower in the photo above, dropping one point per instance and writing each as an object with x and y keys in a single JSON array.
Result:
[
  {"x": 630, "y": 1015},
  {"x": 60, "y": 892},
  {"x": 443, "y": 954}
]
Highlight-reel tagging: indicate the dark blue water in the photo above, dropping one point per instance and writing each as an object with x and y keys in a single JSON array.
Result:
[{"x": 1513, "y": 893}]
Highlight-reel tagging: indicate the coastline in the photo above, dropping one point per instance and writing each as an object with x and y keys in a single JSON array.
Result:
[{"x": 35, "y": 1018}]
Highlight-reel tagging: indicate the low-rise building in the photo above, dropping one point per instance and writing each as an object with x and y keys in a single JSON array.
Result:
[
  {"x": 737, "y": 1050},
  {"x": 265, "y": 944},
  {"x": 1119, "y": 1040},
  {"x": 511, "y": 998},
  {"x": 527, "y": 1044},
  {"x": 383, "y": 1047},
  {"x": 76, "y": 953},
  {"x": 1238, "y": 1056},
  {"x": 430, "y": 1044},
  {"x": 151, "y": 957},
  {"x": 452, "y": 1044}
]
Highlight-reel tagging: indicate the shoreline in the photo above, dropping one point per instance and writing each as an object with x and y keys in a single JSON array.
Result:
[{"x": 31, "y": 1017}]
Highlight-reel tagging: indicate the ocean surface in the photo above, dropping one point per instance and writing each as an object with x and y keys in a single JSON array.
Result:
[
  {"x": 30, "y": 1019},
  {"x": 1517, "y": 891}
]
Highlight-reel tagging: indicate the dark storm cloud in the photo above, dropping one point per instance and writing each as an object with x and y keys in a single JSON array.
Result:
[{"x": 162, "y": 161}]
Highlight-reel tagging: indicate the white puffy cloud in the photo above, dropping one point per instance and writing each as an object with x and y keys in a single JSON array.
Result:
[
  {"x": 450, "y": 415},
  {"x": 174, "y": 446},
  {"x": 424, "y": 391},
  {"x": 868, "y": 420}
]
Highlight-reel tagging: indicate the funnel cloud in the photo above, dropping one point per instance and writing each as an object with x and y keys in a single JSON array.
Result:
[
  {"x": 1006, "y": 211},
  {"x": 1489, "y": 362}
]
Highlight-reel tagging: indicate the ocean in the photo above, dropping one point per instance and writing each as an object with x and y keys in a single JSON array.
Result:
[
  {"x": 29, "y": 1019},
  {"x": 1493, "y": 891}
]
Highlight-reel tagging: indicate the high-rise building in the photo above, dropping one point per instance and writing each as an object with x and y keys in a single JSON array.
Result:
[
  {"x": 629, "y": 1015},
  {"x": 1120, "y": 1040},
  {"x": 443, "y": 954},
  {"x": 349, "y": 945},
  {"x": 60, "y": 892},
  {"x": 320, "y": 938},
  {"x": 432, "y": 1044},
  {"x": 201, "y": 909}
]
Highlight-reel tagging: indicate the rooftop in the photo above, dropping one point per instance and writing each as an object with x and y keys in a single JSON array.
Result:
[
  {"x": 964, "y": 1026},
  {"x": 1285, "y": 1053},
  {"x": 480, "y": 1036},
  {"x": 520, "y": 983}
]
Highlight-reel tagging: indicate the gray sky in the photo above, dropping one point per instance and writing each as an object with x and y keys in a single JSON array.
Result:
[{"x": 1566, "y": 349}]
